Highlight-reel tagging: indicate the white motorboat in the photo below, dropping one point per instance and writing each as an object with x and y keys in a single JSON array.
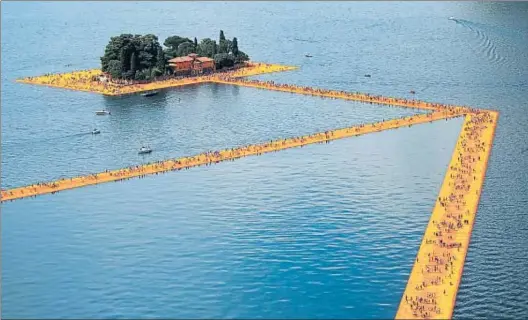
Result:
[
  {"x": 452, "y": 18},
  {"x": 96, "y": 131},
  {"x": 102, "y": 112},
  {"x": 144, "y": 150}
]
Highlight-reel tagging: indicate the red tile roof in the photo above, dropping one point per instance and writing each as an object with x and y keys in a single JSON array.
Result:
[
  {"x": 204, "y": 59},
  {"x": 181, "y": 59}
]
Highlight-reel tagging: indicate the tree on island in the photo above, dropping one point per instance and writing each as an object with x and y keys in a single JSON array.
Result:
[
  {"x": 141, "y": 57},
  {"x": 207, "y": 47},
  {"x": 161, "y": 61},
  {"x": 222, "y": 43},
  {"x": 133, "y": 65},
  {"x": 234, "y": 47},
  {"x": 224, "y": 60},
  {"x": 133, "y": 57},
  {"x": 185, "y": 48},
  {"x": 196, "y": 45},
  {"x": 232, "y": 56},
  {"x": 172, "y": 43}
]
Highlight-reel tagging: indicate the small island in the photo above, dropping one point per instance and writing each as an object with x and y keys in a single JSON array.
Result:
[
  {"x": 138, "y": 63},
  {"x": 141, "y": 57}
]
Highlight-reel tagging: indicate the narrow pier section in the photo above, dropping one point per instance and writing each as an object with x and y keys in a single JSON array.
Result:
[
  {"x": 223, "y": 155},
  {"x": 435, "y": 277},
  {"x": 355, "y": 96}
]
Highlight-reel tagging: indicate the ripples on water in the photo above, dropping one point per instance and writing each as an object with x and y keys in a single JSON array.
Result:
[
  {"x": 175, "y": 123},
  {"x": 300, "y": 233},
  {"x": 485, "y": 44},
  {"x": 328, "y": 230}
]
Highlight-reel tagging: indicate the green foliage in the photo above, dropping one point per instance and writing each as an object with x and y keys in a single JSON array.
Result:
[
  {"x": 113, "y": 50},
  {"x": 234, "y": 47},
  {"x": 224, "y": 60},
  {"x": 134, "y": 53},
  {"x": 141, "y": 57},
  {"x": 207, "y": 47},
  {"x": 125, "y": 61},
  {"x": 222, "y": 43},
  {"x": 185, "y": 48},
  {"x": 241, "y": 57},
  {"x": 156, "y": 72},
  {"x": 161, "y": 63},
  {"x": 114, "y": 68},
  {"x": 172, "y": 44},
  {"x": 133, "y": 63},
  {"x": 147, "y": 48}
]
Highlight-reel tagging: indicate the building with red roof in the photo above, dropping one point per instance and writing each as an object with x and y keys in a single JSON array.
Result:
[{"x": 192, "y": 65}]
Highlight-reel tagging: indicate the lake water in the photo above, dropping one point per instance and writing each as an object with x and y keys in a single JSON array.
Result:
[{"x": 324, "y": 231}]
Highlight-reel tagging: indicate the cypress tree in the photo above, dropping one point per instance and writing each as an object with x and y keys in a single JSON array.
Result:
[
  {"x": 160, "y": 60},
  {"x": 124, "y": 60},
  {"x": 133, "y": 64},
  {"x": 234, "y": 49},
  {"x": 195, "y": 45},
  {"x": 222, "y": 43}
]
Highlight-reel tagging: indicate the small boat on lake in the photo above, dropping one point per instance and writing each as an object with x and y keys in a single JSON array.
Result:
[
  {"x": 452, "y": 18},
  {"x": 150, "y": 93},
  {"x": 412, "y": 92},
  {"x": 308, "y": 56},
  {"x": 367, "y": 76},
  {"x": 102, "y": 112},
  {"x": 96, "y": 131},
  {"x": 144, "y": 150}
]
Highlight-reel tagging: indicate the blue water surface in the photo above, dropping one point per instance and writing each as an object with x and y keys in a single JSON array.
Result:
[{"x": 324, "y": 231}]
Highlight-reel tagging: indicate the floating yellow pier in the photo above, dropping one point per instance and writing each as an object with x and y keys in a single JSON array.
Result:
[
  {"x": 435, "y": 277},
  {"x": 86, "y": 80},
  {"x": 213, "y": 157},
  {"x": 334, "y": 94}
]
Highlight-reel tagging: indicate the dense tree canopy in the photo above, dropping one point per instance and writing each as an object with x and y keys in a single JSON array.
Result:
[
  {"x": 222, "y": 43},
  {"x": 172, "y": 43},
  {"x": 234, "y": 47},
  {"x": 141, "y": 57},
  {"x": 207, "y": 47},
  {"x": 185, "y": 48},
  {"x": 224, "y": 60},
  {"x": 133, "y": 56}
]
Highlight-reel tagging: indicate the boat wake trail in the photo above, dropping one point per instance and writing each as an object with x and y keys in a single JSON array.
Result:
[
  {"x": 73, "y": 135},
  {"x": 305, "y": 40},
  {"x": 426, "y": 87},
  {"x": 485, "y": 46}
]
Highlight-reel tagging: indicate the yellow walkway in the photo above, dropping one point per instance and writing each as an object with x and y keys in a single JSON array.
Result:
[
  {"x": 363, "y": 97},
  {"x": 435, "y": 277},
  {"x": 207, "y": 158},
  {"x": 85, "y": 80}
]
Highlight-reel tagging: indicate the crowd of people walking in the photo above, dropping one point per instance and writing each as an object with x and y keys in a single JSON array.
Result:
[
  {"x": 433, "y": 284},
  {"x": 95, "y": 81},
  {"x": 437, "y": 270},
  {"x": 217, "y": 156}
]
